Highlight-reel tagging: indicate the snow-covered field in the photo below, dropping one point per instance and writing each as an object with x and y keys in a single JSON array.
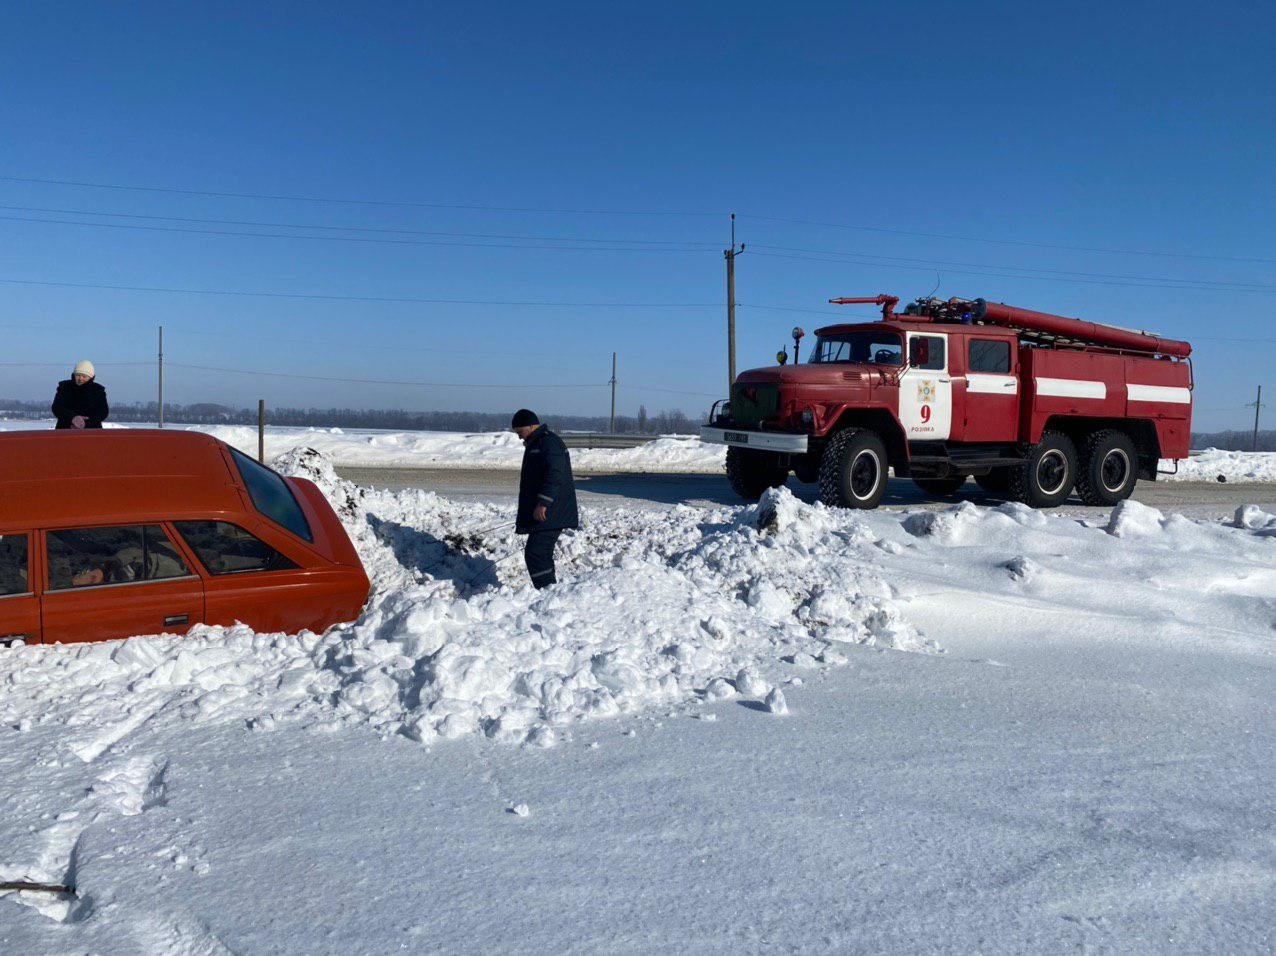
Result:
[
  {"x": 503, "y": 450},
  {"x": 773, "y": 727}
]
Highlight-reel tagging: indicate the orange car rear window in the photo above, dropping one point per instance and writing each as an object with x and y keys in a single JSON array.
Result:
[{"x": 224, "y": 548}]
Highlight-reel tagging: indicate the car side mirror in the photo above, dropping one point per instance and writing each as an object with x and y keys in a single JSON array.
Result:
[{"x": 918, "y": 352}]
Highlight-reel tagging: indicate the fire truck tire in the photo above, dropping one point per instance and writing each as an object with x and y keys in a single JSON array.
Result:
[
  {"x": 996, "y": 482},
  {"x": 1046, "y": 478},
  {"x": 752, "y": 472},
  {"x": 940, "y": 486},
  {"x": 1108, "y": 468},
  {"x": 853, "y": 470}
]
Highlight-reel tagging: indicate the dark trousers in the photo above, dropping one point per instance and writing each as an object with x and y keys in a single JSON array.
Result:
[{"x": 540, "y": 556}]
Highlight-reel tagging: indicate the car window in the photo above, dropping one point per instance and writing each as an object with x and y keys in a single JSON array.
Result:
[
  {"x": 987, "y": 355},
  {"x": 125, "y": 554},
  {"x": 225, "y": 548},
  {"x": 13, "y": 564},
  {"x": 272, "y": 496},
  {"x": 926, "y": 352}
]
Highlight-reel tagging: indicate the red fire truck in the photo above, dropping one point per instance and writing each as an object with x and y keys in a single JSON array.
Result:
[{"x": 1031, "y": 405}]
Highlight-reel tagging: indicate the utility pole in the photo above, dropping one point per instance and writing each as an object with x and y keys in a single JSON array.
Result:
[
  {"x": 613, "y": 394},
  {"x": 261, "y": 430},
  {"x": 730, "y": 255},
  {"x": 161, "y": 376},
  {"x": 1258, "y": 404}
]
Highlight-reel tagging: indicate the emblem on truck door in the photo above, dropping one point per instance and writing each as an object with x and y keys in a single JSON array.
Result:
[{"x": 926, "y": 391}]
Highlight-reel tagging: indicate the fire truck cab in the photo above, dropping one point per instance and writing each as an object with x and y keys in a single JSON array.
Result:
[{"x": 1032, "y": 405}]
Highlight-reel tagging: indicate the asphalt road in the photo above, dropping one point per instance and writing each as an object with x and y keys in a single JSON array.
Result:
[{"x": 1195, "y": 499}]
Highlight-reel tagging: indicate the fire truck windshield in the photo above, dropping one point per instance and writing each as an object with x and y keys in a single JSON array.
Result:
[{"x": 870, "y": 346}]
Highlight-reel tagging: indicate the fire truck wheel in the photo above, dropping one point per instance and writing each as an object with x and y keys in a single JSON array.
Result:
[
  {"x": 853, "y": 470},
  {"x": 1046, "y": 478},
  {"x": 1108, "y": 468},
  {"x": 940, "y": 486},
  {"x": 751, "y": 472},
  {"x": 996, "y": 482}
]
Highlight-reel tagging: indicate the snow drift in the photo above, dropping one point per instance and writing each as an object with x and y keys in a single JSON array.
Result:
[{"x": 660, "y": 609}]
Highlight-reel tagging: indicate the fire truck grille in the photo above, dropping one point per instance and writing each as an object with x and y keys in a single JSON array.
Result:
[{"x": 753, "y": 404}]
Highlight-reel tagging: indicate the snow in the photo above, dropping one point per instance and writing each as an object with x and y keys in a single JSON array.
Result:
[
  {"x": 1215, "y": 464},
  {"x": 366, "y": 448},
  {"x": 1002, "y": 730}
]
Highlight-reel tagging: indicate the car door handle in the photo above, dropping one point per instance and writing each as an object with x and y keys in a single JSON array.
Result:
[{"x": 176, "y": 619}]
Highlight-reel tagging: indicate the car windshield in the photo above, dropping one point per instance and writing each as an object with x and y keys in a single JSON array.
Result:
[{"x": 871, "y": 346}]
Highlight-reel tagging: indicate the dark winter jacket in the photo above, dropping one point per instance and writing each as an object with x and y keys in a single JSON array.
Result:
[
  {"x": 88, "y": 400},
  {"x": 546, "y": 480}
]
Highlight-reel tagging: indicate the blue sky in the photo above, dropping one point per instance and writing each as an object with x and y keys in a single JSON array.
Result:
[{"x": 976, "y": 141}]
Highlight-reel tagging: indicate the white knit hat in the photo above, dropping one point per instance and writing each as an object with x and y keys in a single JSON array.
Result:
[{"x": 84, "y": 367}]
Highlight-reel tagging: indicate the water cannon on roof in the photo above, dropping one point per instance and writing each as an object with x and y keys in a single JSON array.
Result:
[{"x": 887, "y": 302}]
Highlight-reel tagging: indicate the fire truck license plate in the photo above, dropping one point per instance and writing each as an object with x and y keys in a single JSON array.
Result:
[{"x": 740, "y": 437}]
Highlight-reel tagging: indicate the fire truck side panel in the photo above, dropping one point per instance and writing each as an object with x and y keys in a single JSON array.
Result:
[
  {"x": 1161, "y": 391},
  {"x": 1069, "y": 383}
]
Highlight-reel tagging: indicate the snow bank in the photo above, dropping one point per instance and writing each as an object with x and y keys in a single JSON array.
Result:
[
  {"x": 365, "y": 448},
  {"x": 659, "y": 609},
  {"x": 1215, "y": 464}
]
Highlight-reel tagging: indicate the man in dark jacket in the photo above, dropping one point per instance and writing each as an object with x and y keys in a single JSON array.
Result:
[
  {"x": 80, "y": 402},
  {"x": 546, "y": 495}
]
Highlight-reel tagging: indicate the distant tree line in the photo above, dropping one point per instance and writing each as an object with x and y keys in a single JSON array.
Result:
[
  {"x": 1235, "y": 440},
  {"x": 204, "y": 413},
  {"x": 668, "y": 422}
]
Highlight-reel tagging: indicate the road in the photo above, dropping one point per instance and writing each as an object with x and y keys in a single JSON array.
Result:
[{"x": 1194, "y": 499}]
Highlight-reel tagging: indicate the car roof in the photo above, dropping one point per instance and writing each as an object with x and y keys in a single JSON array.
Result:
[{"x": 72, "y": 477}]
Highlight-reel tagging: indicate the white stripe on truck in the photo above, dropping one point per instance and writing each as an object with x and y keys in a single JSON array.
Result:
[
  {"x": 1070, "y": 388},
  {"x": 988, "y": 384},
  {"x": 1159, "y": 393}
]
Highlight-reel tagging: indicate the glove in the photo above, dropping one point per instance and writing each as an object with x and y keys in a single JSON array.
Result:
[{"x": 79, "y": 421}]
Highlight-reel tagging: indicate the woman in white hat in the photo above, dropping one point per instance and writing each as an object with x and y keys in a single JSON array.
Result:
[{"x": 80, "y": 401}]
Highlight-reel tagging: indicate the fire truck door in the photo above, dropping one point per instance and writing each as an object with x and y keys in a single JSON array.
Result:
[{"x": 925, "y": 389}]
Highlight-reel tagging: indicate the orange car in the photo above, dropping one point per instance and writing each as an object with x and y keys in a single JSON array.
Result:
[{"x": 107, "y": 534}]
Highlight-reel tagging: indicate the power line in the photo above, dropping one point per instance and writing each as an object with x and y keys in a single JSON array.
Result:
[
  {"x": 221, "y": 233},
  {"x": 1021, "y": 275},
  {"x": 374, "y": 381},
  {"x": 343, "y": 228},
  {"x": 1004, "y": 242},
  {"x": 1105, "y": 250},
  {"x": 931, "y": 263},
  {"x": 357, "y": 202},
  {"x": 668, "y": 391},
  {"x": 104, "y": 364},
  {"x": 442, "y": 348},
  {"x": 364, "y": 298}
]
